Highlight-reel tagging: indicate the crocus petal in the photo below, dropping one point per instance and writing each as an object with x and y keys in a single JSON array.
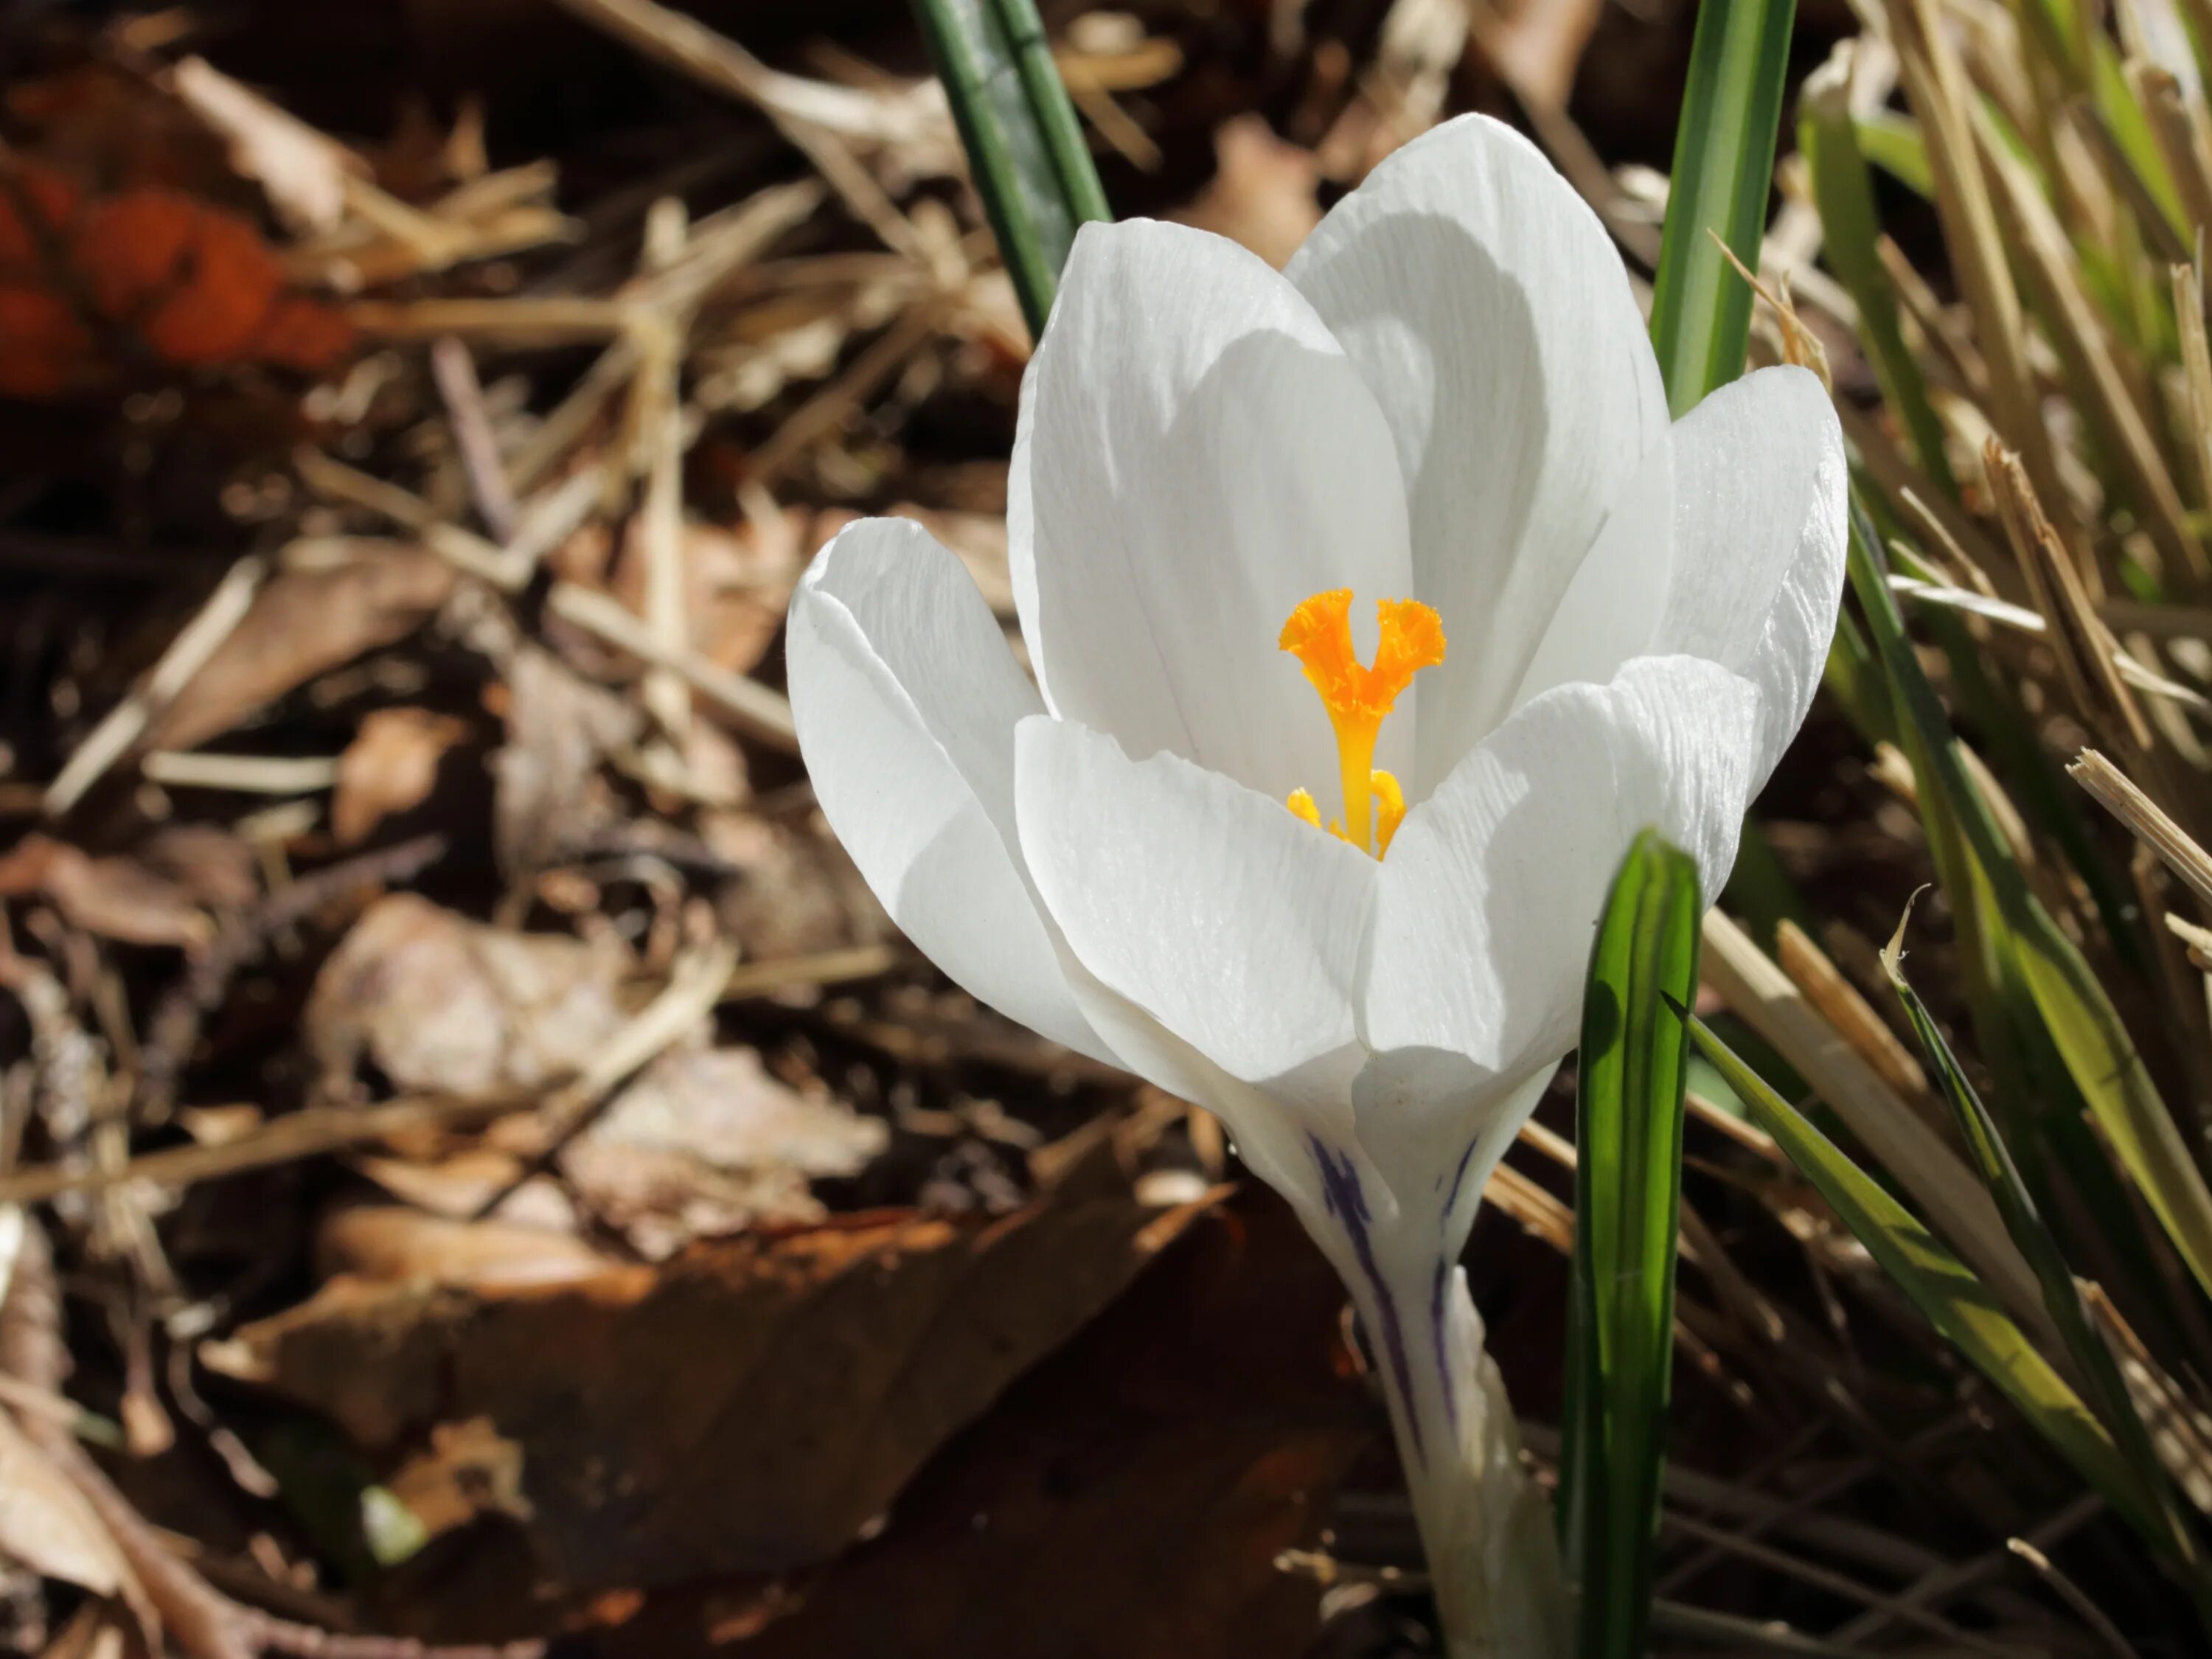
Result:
[
  {"x": 1194, "y": 457},
  {"x": 906, "y": 699},
  {"x": 1483, "y": 923},
  {"x": 1482, "y": 301},
  {"x": 1760, "y": 543},
  {"x": 1611, "y": 608},
  {"x": 1236, "y": 927}
]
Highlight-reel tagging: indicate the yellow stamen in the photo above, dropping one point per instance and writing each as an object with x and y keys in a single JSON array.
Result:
[
  {"x": 1389, "y": 809},
  {"x": 1319, "y": 635},
  {"x": 1302, "y": 802}
]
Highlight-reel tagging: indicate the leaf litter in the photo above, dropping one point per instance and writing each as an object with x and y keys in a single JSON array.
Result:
[{"x": 505, "y": 1180}]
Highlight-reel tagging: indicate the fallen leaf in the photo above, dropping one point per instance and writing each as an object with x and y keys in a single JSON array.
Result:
[
  {"x": 761, "y": 1401},
  {"x": 117, "y": 898},
  {"x": 47, "y": 1524},
  {"x": 437, "y": 1002},
  {"x": 190, "y": 284},
  {"x": 390, "y": 766},
  {"x": 560, "y": 727},
  {"x": 1135, "y": 1495},
  {"x": 706, "y": 1142},
  {"x": 403, "y": 1245},
  {"x": 469, "y": 1470},
  {"x": 302, "y": 624},
  {"x": 303, "y": 172},
  {"x": 1263, "y": 194}
]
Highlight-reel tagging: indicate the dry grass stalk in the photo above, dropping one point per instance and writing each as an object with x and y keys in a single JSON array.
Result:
[
  {"x": 2091, "y": 358},
  {"x": 2117, "y": 794},
  {"x": 1950, "y": 1194},
  {"x": 1839, "y": 1003},
  {"x": 1935, "y": 84},
  {"x": 685, "y": 44},
  {"x": 188, "y": 653},
  {"x": 2084, "y": 646}
]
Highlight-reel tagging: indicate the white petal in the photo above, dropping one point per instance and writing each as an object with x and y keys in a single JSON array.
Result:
[
  {"x": 1759, "y": 529},
  {"x": 1483, "y": 302},
  {"x": 1194, "y": 458},
  {"x": 1234, "y": 925},
  {"x": 1613, "y": 605},
  {"x": 906, "y": 700},
  {"x": 1493, "y": 886}
]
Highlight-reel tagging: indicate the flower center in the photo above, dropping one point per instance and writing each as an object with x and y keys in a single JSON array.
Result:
[{"x": 1319, "y": 635}]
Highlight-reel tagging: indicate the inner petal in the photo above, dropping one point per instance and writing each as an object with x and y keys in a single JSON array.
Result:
[{"x": 1196, "y": 456}]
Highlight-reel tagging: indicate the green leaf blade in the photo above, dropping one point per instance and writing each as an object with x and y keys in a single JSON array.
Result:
[
  {"x": 1723, "y": 167},
  {"x": 1025, "y": 148},
  {"x": 1635, "y": 1055}
]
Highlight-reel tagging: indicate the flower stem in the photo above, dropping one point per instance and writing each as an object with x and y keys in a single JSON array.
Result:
[{"x": 1486, "y": 1526}]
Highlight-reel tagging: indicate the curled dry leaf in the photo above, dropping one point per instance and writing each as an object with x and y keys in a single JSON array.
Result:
[
  {"x": 390, "y": 766},
  {"x": 302, "y": 624},
  {"x": 762, "y": 1400},
  {"x": 439, "y": 1002},
  {"x": 117, "y": 898}
]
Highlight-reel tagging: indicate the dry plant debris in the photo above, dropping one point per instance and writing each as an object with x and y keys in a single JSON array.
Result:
[{"x": 507, "y": 1183}]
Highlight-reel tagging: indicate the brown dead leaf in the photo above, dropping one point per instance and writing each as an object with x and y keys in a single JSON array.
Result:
[
  {"x": 468, "y": 1471},
  {"x": 706, "y": 1142},
  {"x": 394, "y": 1243},
  {"x": 441, "y": 1002},
  {"x": 47, "y": 1525},
  {"x": 117, "y": 898},
  {"x": 1263, "y": 191},
  {"x": 188, "y": 283},
  {"x": 390, "y": 766},
  {"x": 560, "y": 727},
  {"x": 1132, "y": 1496},
  {"x": 302, "y": 624},
  {"x": 748, "y": 1407}
]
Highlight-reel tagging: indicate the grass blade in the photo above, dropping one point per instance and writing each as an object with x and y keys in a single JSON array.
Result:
[
  {"x": 2076, "y": 1016},
  {"x": 1628, "y": 1186},
  {"x": 1940, "y": 1285},
  {"x": 1843, "y": 189},
  {"x": 2093, "y": 1359},
  {"x": 1723, "y": 167},
  {"x": 1025, "y": 148}
]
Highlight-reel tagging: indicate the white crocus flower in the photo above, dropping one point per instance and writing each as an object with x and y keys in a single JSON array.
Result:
[{"x": 1591, "y": 620}]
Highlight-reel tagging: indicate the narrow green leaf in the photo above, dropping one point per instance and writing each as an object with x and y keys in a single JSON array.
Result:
[
  {"x": 2077, "y": 1018},
  {"x": 1628, "y": 1186},
  {"x": 1939, "y": 1284},
  {"x": 1026, "y": 148},
  {"x": 1723, "y": 167},
  {"x": 1890, "y": 140},
  {"x": 1843, "y": 189},
  {"x": 2093, "y": 1359}
]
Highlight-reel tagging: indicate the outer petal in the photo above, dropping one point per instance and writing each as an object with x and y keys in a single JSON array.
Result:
[
  {"x": 1492, "y": 886},
  {"x": 906, "y": 700},
  {"x": 1194, "y": 457},
  {"x": 1213, "y": 909},
  {"x": 1760, "y": 540},
  {"x": 1483, "y": 302}
]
